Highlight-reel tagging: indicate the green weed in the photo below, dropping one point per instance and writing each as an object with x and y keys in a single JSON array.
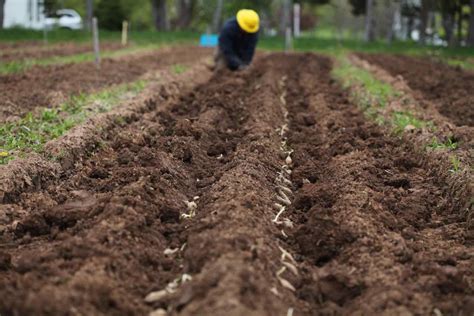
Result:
[
  {"x": 450, "y": 144},
  {"x": 455, "y": 163},
  {"x": 33, "y": 131},
  {"x": 403, "y": 120},
  {"x": 179, "y": 69}
]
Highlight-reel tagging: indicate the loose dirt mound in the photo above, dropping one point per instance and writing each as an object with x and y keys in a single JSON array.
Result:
[
  {"x": 448, "y": 87},
  {"x": 67, "y": 49},
  {"x": 372, "y": 230},
  {"x": 49, "y": 86}
]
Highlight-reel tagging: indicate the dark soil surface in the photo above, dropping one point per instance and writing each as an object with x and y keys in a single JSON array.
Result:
[
  {"x": 52, "y": 85},
  {"x": 449, "y": 88},
  {"x": 371, "y": 229},
  {"x": 66, "y": 49}
]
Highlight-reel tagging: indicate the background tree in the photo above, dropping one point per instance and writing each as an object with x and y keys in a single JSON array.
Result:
[
  {"x": 2, "y": 12},
  {"x": 470, "y": 37},
  {"x": 111, "y": 14},
  {"x": 426, "y": 7},
  {"x": 369, "y": 21},
  {"x": 185, "y": 11},
  {"x": 217, "y": 19},
  {"x": 89, "y": 13},
  {"x": 359, "y": 7},
  {"x": 160, "y": 16}
]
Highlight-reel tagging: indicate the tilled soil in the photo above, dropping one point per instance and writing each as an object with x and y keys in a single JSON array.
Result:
[
  {"x": 20, "y": 45},
  {"x": 371, "y": 229},
  {"x": 50, "y": 86},
  {"x": 450, "y": 88},
  {"x": 65, "y": 49}
]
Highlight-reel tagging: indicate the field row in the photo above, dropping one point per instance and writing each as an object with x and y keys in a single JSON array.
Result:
[{"x": 269, "y": 191}]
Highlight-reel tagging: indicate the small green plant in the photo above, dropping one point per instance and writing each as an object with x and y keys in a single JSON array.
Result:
[
  {"x": 179, "y": 69},
  {"x": 450, "y": 144},
  {"x": 455, "y": 163}
]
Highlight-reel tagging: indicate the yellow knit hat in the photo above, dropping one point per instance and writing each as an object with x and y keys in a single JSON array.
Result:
[{"x": 248, "y": 20}]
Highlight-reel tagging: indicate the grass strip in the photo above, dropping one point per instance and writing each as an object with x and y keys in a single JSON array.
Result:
[
  {"x": 464, "y": 64},
  {"x": 373, "y": 95},
  {"x": 33, "y": 131}
]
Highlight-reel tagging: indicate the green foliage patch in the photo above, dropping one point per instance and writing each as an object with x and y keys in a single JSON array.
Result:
[{"x": 34, "y": 130}]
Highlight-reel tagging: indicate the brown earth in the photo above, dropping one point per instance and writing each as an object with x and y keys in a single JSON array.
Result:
[
  {"x": 65, "y": 49},
  {"x": 52, "y": 85},
  {"x": 20, "y": 45},
  {"x": 450, "y": 88},
  {"x": 373, "y": 230}
]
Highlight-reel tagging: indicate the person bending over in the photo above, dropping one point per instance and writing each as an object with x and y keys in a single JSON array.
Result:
[{"x": 238, "y": 40}]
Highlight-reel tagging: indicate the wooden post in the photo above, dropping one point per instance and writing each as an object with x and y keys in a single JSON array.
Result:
[
  {"x": 45, "y": 35},
  {"x": 124, "y": 33},
  {"x": 297, "y": 19},
  {"x": 95, "y": 35}
]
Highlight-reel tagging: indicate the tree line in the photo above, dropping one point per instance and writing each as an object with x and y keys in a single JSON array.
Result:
[{"x": 452, "y": 20}]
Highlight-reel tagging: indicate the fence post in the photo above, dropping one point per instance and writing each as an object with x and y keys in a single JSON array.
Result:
[
  {"x": 124, "y": 33},
  {"x": 288, "y": 39},
  {"x": 45, "y": 35},
  {"x": 95, "y": 35}
]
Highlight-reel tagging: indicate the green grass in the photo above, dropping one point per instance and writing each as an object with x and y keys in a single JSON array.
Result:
[
  {"x": 455, "y": 164},
  {"x": 33, "y": 131},
  {"x": 403, "y": 120},
  {"x": 334, "y": 46},
  {"x": 374, "y": 93},
  {"x": 465, "y": 64}
]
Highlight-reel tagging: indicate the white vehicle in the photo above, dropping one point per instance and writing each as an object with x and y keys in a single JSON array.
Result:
[{"x": 65, "y": 19}]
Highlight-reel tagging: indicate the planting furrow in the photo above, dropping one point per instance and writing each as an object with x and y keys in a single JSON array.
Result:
[
  {"x": 374, "y": 230},
  {"x": 262, "y": 192},
  {"x": 174, "y": 207}
]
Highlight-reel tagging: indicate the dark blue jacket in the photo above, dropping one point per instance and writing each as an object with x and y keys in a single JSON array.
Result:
[{"x": 237, "y": 46}]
